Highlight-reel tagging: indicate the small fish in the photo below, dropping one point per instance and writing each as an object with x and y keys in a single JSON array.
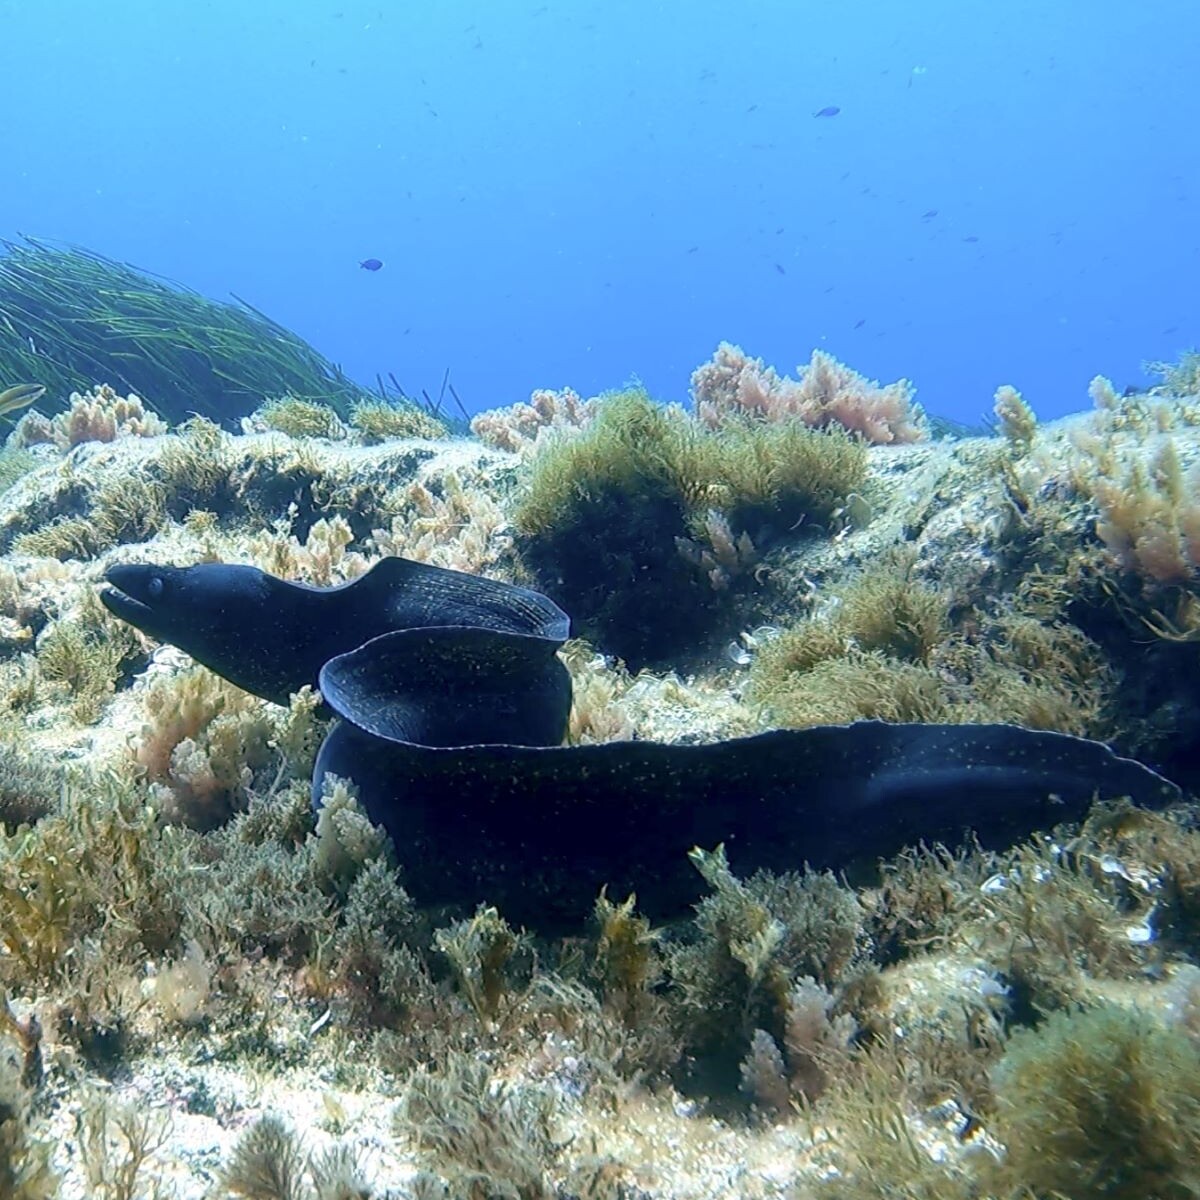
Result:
[
  {"x": 929, "y": 214},
  {"x": 971, "y": 238},
  {"x": 860, "y": 324},
  {"x": 19, "y": 396},
  {"x": 830, "y": 110},
  {"x": 371, "y": 264},
  {"x": 780, "y": 269}
]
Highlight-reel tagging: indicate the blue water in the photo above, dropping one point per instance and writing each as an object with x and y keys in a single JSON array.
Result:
[{"x": 582, "y": 192}]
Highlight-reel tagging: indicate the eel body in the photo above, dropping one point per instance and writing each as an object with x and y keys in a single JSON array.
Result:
[
  {"x": 539, "y": 831},
  {"x": 452, "y": 704}
]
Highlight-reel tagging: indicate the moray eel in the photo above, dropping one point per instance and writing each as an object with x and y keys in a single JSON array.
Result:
[
  {"x": 271, "y": 637},
  {"x": 452, "y": 703}
]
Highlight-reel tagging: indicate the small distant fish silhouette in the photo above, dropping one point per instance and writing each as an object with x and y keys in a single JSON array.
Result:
[
  {"x": 860, "y": 324},
  {"x": 371, "y": 264},
  {"x": 18, "y": 396},
  {"x": 780, "y": 269},
  {"x": 929, "y": 214},
  {"x": 971, "y": 238},
  {"x": 830, "y": 110}
]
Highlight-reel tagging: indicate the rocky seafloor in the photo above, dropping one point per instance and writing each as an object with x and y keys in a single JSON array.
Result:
[{"x": 209, "y": 992}]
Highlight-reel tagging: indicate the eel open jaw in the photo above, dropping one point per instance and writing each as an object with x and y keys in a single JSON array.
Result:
[{"x": 128, "y": 594}]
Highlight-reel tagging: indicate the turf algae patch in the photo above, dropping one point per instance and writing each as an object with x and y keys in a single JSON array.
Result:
[
  {"x": 627, "y": 522},
  {"x": 1101, "y": 1102}
]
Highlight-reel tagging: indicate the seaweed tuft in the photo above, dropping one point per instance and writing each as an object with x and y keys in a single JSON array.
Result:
[
  {"x": 1101, "y": 1102},
  {"x": 487, "y": 1137},
  {"x": 268, "y": 1163},
  {"x": 645, "y": 516},
  {"x": 30, "y": 785},
  {"x": 298, "y": 418},
  {"x": 491, "y": 962},
  {"x": 25, "y": 1170},
  {"x": 628, "y": 958},
  {"x": 744, "y": 993},
  {"x": 382, "y": 420}
]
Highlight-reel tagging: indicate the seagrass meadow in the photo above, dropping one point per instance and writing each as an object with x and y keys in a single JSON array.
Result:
[
  {"x": 208, "y": 990},
  {"x": 69, "y": 317}
]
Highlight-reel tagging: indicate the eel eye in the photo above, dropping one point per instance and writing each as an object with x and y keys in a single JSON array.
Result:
[{"x": 154, "y": 589}]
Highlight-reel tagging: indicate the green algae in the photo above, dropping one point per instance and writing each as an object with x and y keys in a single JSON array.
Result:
[
  {"x": 617, "y": 519},
  {"x": 291, "y": 934},
  {"x": 1101, "y": 1102}
]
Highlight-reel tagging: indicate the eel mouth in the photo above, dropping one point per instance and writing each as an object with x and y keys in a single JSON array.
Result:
[
  {"x": 124, "y": 606},
  {"x": 130, "y": 594}
]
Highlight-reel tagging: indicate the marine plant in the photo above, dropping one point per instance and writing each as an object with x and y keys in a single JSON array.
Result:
[
  {"x": 369, "y": 961},
  {"x": 733, "y": 385},
  {"x": 1057, "y": 921},
  {"x": 628, "y": 959},
  {"x": 201, "y": 746},
  {"x": 63, "y": 538},
  {"x": 117, "y": 1148},
  {"x": 856, "y": 686},
  {"x": 130, "y": 509},
  {"x": 194, "y": 468},
  {"x": 268, "y": 1163},
  {"x": 611, "y": 517},
  {"x": 925, "y": 895},
  {"x": 1154, "y": 852},
  {"x": 1180, "y": 378},
  {"x": 97, "y": 415},
  {"x": 1100, "y": 1102},
  {"x": 520, "y": 427},
  {"x": 867, "y": 656},
  {"x": 746, "y": 973},
  {"x": 29, "y": 593},
  {"x": 298, "y": 418},
  {"x": 30, "y": 783},
  {"x": 25, "y": 1170},
  {"x": 874, "y": 1144},
  {"x": 1017, "y": 421},
  {"x": 383, "y": 420},
  {"x": 488, "y": 958},
  {"x": 85, "y": 657},
  {"x": 346, "y": 843},
  {"x": 14, "y": 462},
  {"x": 337, "y": 1175},
  {"x": 448, "y": 521},
  {"x": 91, "y": 867},
  {"x": 1101, "y": 531},
  {"x": 487, "y": 1137},
  {"x": 71, "y": 318},
  {"x": 252, "y": 886},
  {"x": 886, "y": 648}
]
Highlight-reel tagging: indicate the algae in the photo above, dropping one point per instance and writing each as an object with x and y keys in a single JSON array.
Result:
[{"x": 192, "y": 937}]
